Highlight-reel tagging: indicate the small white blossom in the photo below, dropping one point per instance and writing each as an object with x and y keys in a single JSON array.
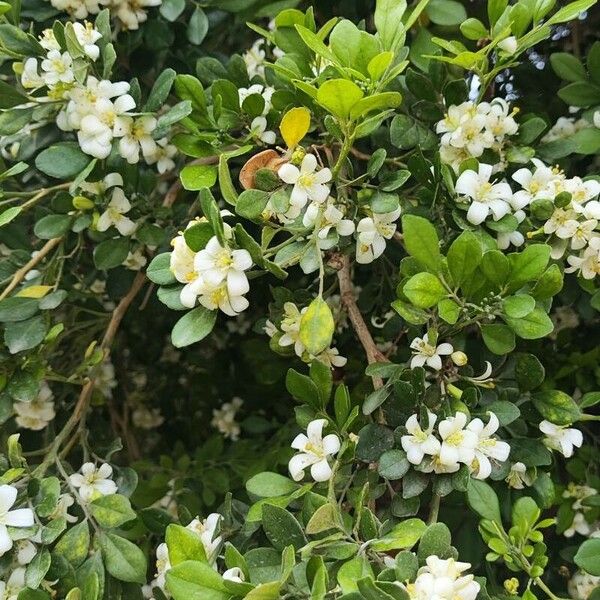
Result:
[
  {"x": 38, "y": 413},
  {"x": 94, "y": 482},
  {"x": 265, "y": 91},
  {"x": 582, "y": 584},
  {"x": 9, "y": 589},
  {"x": 207, "y": 531},
  {"x": 372, "y": 233},
  {"x": 18, "y": 517},
  {"x": 443, "y": 580},
  {"x": 147, "y": 418},
  {"x": 314, "y": 449},
  {"x": 87, "y": 35},
  {"x": 488, "y": 447},
  {"x": 309, "y": 184},
  {"x": 136, "y": 135},
  {"x": 579, "y": 525},
  {"x": 224, "y": 419},
  {"x": 25, "y": 551},
  {"x": 255, "y": 59},
  {"x": 114, "y": 215},
  {"x": 58, "y": 68},
  {"x": 458, "y": 443},
  {"x": 234, "y": 574},
  {"x": 509, "y": 44},
  {"x": 588, "y": 264},
  {"x": 518, "y": 477},
  {"x": 258, "y": 129},
  {"x": 135, "y": 260},
  {"x": 420, "y": 442},
  {"x": 562, "y": 439},
  {"x": 426, "y": 354}
]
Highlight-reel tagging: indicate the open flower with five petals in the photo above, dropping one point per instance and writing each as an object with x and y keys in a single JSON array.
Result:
[{"x": 314, "y": 449}]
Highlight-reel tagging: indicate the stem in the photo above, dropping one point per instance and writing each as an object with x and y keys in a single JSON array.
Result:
[
  {"x": 20, "y": 274},
  {"x": 356, "y": 318},
  {"x": 346, "y": 147},
  {"x": 546, "y": 589},
  {"x": 434, "y": 509}
]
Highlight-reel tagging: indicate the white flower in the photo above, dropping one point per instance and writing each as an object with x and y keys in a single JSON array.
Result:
[
  {"x": 258, "y": 129},
  {"x": 94, "y": 482},
  {"x": 19, "y": 517},
  {"x": 517, "y": 477},
  {"x": 220, "y": 297},
  {"x": 135, "y": 260},
  {"x": 58, "y": 68},
  {"x": 136, "y": 135},
  {"x": 234, "y": 574},
  {"x": 105, "y": 380},
  {"x": 290, "y": 325},
  {"x": 94, "y": 137},
  {"x": 99, "y": 187},
  {"x": 564, "y": 127},
  {"x": 163, "y": 564},
  {"x": 582, "y": 584},
  {"x": 224, "y": 418},
  {"x": 579, "y": 525},
  {"x": 115, "y": 213},
  {"x": 255, "y": 59},
  {"x": 420, "y": 442},
  {"x": 443, "y": 580},
  {"x": 309, "y": 184},
  {"x": 561, "y": 439},
  {"x": 331, "y": 357},
  {"x": 487, "y": 446},
  {"x": 48, "y": 41},
  {"x": 87, "y": 35},
  {"x": 509, "y": 44},
  {"x": 485, "y": 197},
  {"x": 516, "y": 238},
  {"x": 25, "y": 551},
  {"x": 372, "y": 235},
  {"x": 464, "y": 127},
  {"x": 257, "y": 88},
  {"x": 499, "y": 121},
  {"x": 163, "y": 156},
  {"x": 182, "y": 267},
  {"x": 588, "y": 264},
  {"x": 538, "y": 183},
  {"x": 330, "y": 221},
  {"x": 207, "y": 531},
  {"x": 39, "y": 412},
  {"x": 131, "y": 12},
  {"x": 426, "y": 354},
  {"x": 65, "y": 501},
  {"x": 458, "y": 443},
  {"x": 9, "y": 589},
  {"x": 314, "y": 450},
  {"x": 218, "y": 263},
  {"x": 30, "y": 78}
]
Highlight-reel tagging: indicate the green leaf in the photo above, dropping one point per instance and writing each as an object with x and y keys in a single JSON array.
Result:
[
  {"x": 74, "y": 544},
  {"x": 473, "y": 29},
  {"x": 403, "y": 535},
  {"x": 10, "y": 97},
  {"x": 528, "y": 265},
  {"x": 351, "y": 571},
  {"x": 62, "y": 161},
  {"x": 123, "y": 559},
  {"x": 316, "y": 327},
  {"x": 159, "y": 270},
  {"x": 251, "y": 203},
  {"x": 421, "y": 241},
  {"x": 282, "y": 528},
  {"x": 483, "y": 500},
  {"x": 393, "y": 464},
  {"x": 536, "y": 324},
  {"x": 112, "y": 511},
  {"x": 549, "y": 284},
  {"x": 568, "y": 67},
  {"x": 9, "y": 214},
  {"x": 267, "y": 485},
  {"x": 388, "y": 22},
  {"x": 556, "y": 406},
  {"x": 424, "y": 290},
  {"x": 183, "y": 545},
  {"x": 448, "y": 310},
  {"x": 192, "y": 580},
  {"x": 326, "y": 517},
  {"x": 338, "y": 96},
  {"x": 52, "y": 226},
  {"x": 161, "y": 88},
  {"x": 446, "y": 12},
  {"x": 529, "y": 372},
  {"x": 464, "y": 256},
  {"x": 518, "y": 306},
  {"x": 15, "y": 309},
  {"x": 507, "y": 412},
  {"x": 498, "y": 338},
  {"x": 409, "y": 313},
  {"x": 495, "y": 267},
  {"x": 373, "y": 441},
  {"x": 193, "y": 326},
  {"x": 588, "y": 557},
  {"x": 435, "y": 541},
  {"x": 196, "y": 177},
  {"x": 25, "y": 335},
  {"x": 111, "y": 253},
  {"x": 197, "y": 26}
]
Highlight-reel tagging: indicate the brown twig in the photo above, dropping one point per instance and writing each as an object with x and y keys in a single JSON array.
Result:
[
  {"x": 355, "y": 316},
  {"x": 22, "y": 272}
]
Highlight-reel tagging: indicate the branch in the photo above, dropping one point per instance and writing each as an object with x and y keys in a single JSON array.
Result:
[
  {"x": 358, "y": 323},
  {"x": 22, "y": 272}
]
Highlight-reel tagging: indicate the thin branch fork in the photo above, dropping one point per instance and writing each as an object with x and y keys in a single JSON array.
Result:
[
  {"x": 356, "y": 318},
  {"x": 22, "y": 272}
]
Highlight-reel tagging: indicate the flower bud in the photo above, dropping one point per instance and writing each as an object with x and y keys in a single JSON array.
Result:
[
  {"x": 82, "y": 203},
  {"x": 460, "y": 359},
  {"x": 297, "y": 155},
  {"x": 509, "y": 44}
]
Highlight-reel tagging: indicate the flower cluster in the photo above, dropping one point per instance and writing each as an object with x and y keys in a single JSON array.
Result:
[
  {"x": 97, "y": 110},
  {"x": 288, "y": 334},
  {"x": 443, "y": 580},
  {"x": 214, "y": 276},
  {"x": 130, "y": 13},
  {"x": 472, "y": 444},
  {"x": 313, "y": 451},
  {"x": 469, "y": 129}
]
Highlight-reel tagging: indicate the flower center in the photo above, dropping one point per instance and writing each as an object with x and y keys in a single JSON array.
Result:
[
  {"x": 223, "y": 259},
  {"x": 306, "y": 180},
  {"x": 455, "y": 439}
]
